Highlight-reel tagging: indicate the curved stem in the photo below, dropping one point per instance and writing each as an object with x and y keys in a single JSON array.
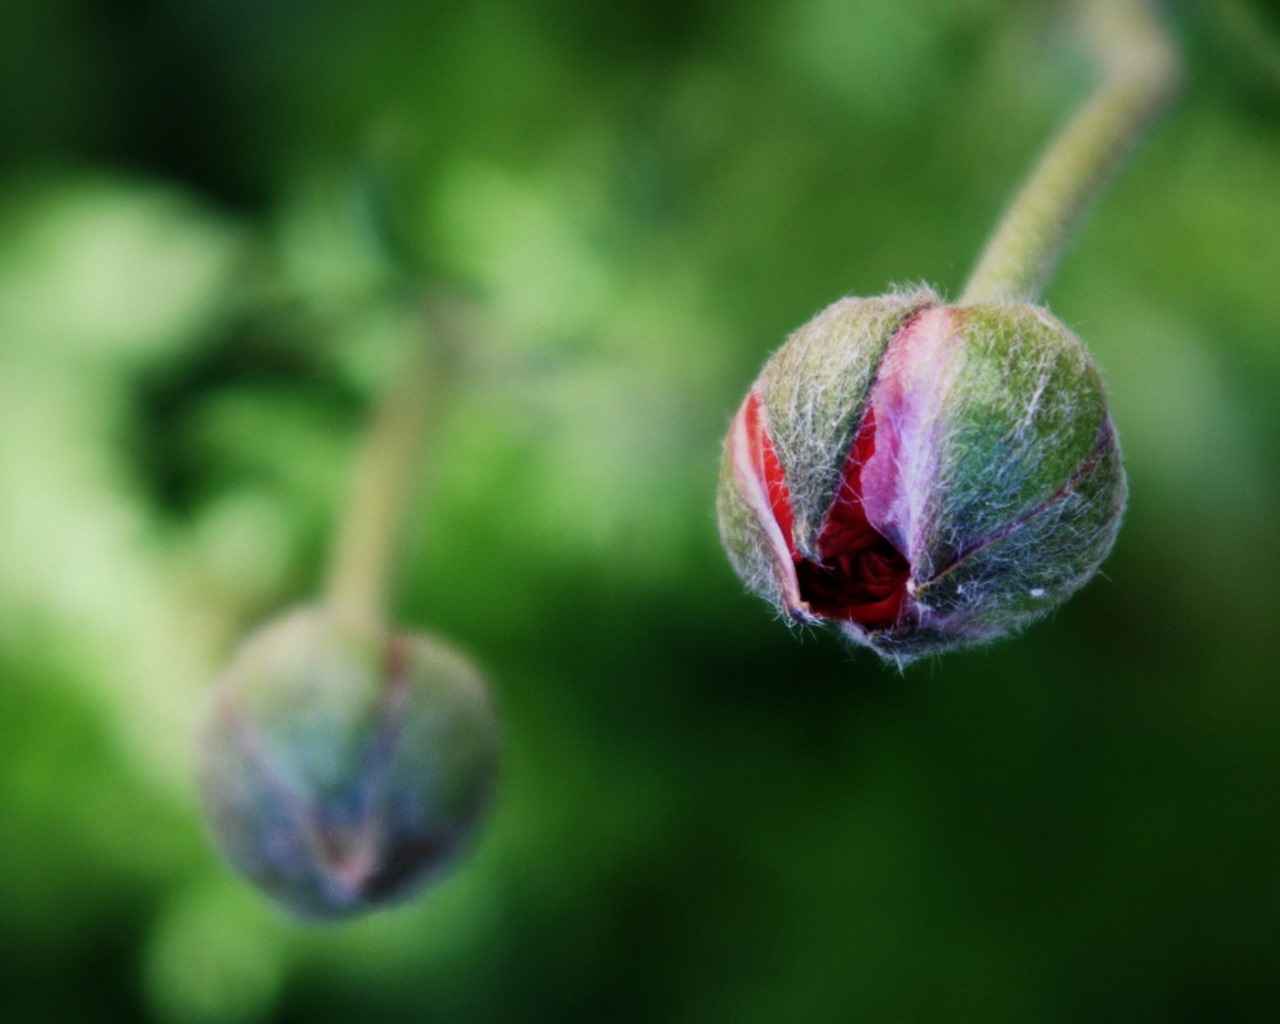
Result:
[
  {"x": 1139, "y": 69},
  {"x": 386, "y": 472}
]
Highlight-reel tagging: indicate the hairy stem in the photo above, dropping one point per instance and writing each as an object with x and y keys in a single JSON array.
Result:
[
  {"x": 385, "y": 477},
  {"x": 1138, "y": 71}
]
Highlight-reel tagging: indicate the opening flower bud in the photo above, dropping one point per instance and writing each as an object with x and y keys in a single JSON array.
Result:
[
  {"x": 926, "y": 476},
  {"x": 342, "y": 765}
]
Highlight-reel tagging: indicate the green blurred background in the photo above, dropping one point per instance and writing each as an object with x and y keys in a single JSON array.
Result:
[{"x": 219, "y": 224}]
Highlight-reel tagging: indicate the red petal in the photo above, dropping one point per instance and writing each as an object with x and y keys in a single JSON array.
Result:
[
  {"x": 861, "y": 577},
  {"x": 763, "y": 487},
  {"x": 769, "y": 469}
]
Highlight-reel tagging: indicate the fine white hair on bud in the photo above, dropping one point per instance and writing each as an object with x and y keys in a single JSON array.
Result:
[
  {"x": 341, "y": 765},
  {"x": 926, "y": 476}
]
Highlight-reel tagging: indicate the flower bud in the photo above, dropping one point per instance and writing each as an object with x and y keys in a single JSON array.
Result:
[
  {"x": 342, "y": 765},
  {"x": 927, "y": 476}
]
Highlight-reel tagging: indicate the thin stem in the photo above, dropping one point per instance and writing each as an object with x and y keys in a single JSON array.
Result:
[
  {"x": 384, "y": 481},
  {"x": 1139, "y": 69}
]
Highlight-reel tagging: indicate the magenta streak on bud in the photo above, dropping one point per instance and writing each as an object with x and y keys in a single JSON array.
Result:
[
  {"x": 906, "y": 401},
  {"x": 859, "y": 576}
]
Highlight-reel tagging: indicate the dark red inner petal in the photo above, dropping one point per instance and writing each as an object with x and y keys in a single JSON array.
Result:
[{"x": 860, "y": 577}]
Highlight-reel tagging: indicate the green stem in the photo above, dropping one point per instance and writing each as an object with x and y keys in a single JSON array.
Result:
[
  {"x": 384, "y": 481},
  {"x": 1139, "y": 69}
]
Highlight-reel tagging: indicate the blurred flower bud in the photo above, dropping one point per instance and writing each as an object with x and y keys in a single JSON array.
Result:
[
  {"x": 927, "y": 476},
  {"x": 342, "y": 765}
]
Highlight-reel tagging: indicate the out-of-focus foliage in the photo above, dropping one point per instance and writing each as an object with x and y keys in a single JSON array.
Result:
[{"x": 219, "y": 225}]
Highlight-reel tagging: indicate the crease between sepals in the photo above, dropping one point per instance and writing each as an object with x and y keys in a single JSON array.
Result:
[{"x": 859, "y": 574}]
